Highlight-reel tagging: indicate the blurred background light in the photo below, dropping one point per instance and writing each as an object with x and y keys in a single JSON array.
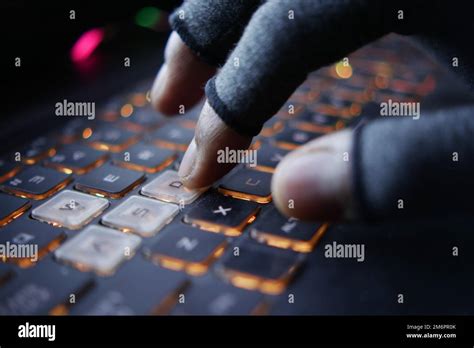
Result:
[
  {"x": 148, "y": 17},
  {"x": 86, "y": 44}
]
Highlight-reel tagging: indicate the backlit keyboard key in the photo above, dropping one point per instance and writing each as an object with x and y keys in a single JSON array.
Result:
[
  {"x": 34, "y": 239},
  {"x": 76, "y": 159},
  {"x": 12, "y": 208},
  {"x": 173, "y": 136},
  {"x": 98, "y": 249},
  {"x": 36, "y": 183},
  {"x": 138, "y": 288},
  {"x": 315, "y": 122},
  {"x": 44, "y": 289},
  {"x": 8, "y": 170},
  {"x": 220, "y": 299},
  {"x": 140, "y": 215},
  {"x": 70, "y": 209},
  {"x": 169, "y": 188},
  {"x": 218, "y": 213},
  {"x": 109, "y": 181},
  {"x": 259, "y": 267},
  {"x": 290, "y": 110},
  {"x": 271, "y": 127},
  {"x": 291, "y": 138},
  {"x": 248, "y": 184},
  {"x": 112, "y": 138},
  {"x": 37, "y": 150},
  {"x": 279, "y": 231},
  {"x": 143, "y": 118},
  {"x": 146, "y": 158},
  {"x": 268, "y": 157},
  {"x": 182, "y": 247}
]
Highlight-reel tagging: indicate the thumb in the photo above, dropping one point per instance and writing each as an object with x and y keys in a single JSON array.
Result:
[
  {"x": 314, "y": 181},
  {"x": 385, "y": 169}
]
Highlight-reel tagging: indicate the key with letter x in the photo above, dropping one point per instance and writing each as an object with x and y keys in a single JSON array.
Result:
[{"x": 217, "y": 213}]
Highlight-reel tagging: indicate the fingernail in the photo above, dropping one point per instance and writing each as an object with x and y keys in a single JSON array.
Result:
[
  {"x": 187, "y": 164},
  {"x": 311, "y": 186}
]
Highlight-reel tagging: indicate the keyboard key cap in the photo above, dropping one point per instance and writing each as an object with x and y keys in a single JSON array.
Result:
[
  {"x": 44, "y": 289},
  {"x": 173, "y": 136},
  {"x": 290, "y": 110},
  {"x": 112, "y": 138},
  {"x": 169, "y": 188},
  {"x": 76, "y": 159},
  {"x": 138, "y": 288},
  {"x": 109, "y": 181},
  {"x": 12, "y": 208},
  {"x": 218, "y": 213},
  {"x": 182, "y": 247},
  {"x": 70, "y": 209},
  {"x": 268, "y": 157},
  {"x": 29, "y": 241},
  {"x": 37, "y": 150},
  {"x": 145, "y": 158},
  {"x": 271, "y": 127},
  {"x": 36, "y": 183},
  {"x": 314, "y": 122},
  {"x": 140, "y": 215},
  {"x": 143, "y": 119},
  {"x": 276, "y": 230},
  {"x": 98, "y": 249},
  {"x": 291, "y": 138},
  {"x": 220, "y": 299},
  {"x": 72, "y": 131},
  {"x": 8, "y": 169},
  {"x": 248, "y": 184},
  {"x": 259, "y": 267}
]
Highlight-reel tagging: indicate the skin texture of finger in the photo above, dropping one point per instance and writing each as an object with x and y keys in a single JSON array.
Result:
[
  {"x": 200, "y": 166},
  {"x": 314, "y": 182},
  {"x": 181, "y": 78}
]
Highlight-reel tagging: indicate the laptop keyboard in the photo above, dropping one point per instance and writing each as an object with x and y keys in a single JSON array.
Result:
[{"x": 118, "y": 233}]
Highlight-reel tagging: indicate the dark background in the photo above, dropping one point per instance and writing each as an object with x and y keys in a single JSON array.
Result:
[{"x": 42, "y": 34}]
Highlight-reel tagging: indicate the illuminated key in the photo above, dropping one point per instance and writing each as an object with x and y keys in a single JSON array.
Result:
[
  {"x": 169, "y": 188},
  {"x": 112, "y": 138},
  {"x": 36, "y": 183},
  {"x": 98, "y": 249},
  {"x": 109, "y": 181},
  {"x": 43, "y": 289},
  {"x": 173, "y": 136},
  {"x": 268, "y": 157},
  {"x": 279, "y": 231},
  {"x": 139, "y": 287},
  {"x": 220, "y": 299},
  {"x": 8, "y": 169},
  {"x": 76, "y": 159},
  {"x": 35, "y": 239},
  {"x": 146, "y": 158},
  {"x": 218, "y": 213},
  {"x": 271, "y": 127},
  {"x": 182, "y": 247},
  {"x": 70, "y": 209},
  {"x": 315, "y": 122},
  {"x": 290, "y": 110},
  {"x": 248, "y": 184},
  {"x": 259, "y": 267},
  {"x": 37, "y": 150},
  {"x": 141, "y": 215},
  {"x": 12, "y": 208},
  {"x": 291, "y": 138}
]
